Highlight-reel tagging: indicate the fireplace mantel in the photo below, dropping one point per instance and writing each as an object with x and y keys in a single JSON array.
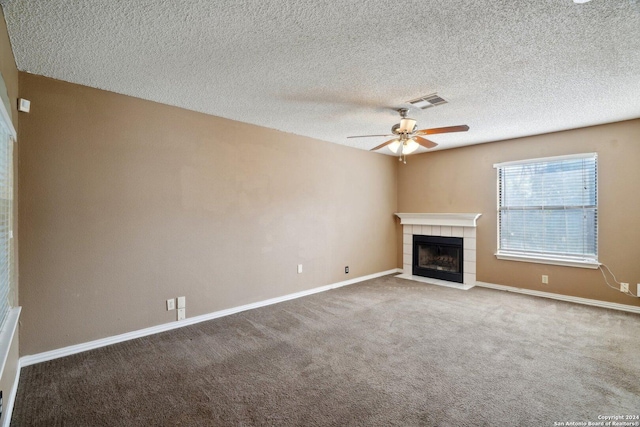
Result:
[{"x": 442, "y": 219}]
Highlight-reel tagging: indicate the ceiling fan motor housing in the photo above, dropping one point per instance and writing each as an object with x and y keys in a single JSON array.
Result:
[{"x": 406, "y": 125}]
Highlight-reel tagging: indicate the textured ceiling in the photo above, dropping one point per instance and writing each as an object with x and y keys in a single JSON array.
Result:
[{"x": 329, "y": 69}]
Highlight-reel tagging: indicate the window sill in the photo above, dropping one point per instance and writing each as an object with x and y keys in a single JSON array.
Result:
[{"x": 567, "y": 262}]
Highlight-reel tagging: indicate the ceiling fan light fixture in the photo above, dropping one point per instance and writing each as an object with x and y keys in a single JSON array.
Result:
[
  {"x": 394, "y": 146},
  {"x": 409, "y": 146},
  {"x": 407, "y": 125}
]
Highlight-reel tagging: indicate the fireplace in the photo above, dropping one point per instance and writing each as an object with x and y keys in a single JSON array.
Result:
[
  {"x": 438, "y": 257},
  {"x": 461, "y": 225}
]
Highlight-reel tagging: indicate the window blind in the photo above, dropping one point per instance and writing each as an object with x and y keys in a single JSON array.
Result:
[
  {"x": 6, "y": 220},
  {"x": 549, "y": 207}
]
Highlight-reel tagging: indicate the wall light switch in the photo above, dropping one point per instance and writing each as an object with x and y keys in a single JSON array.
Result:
[
  {"x": 171, "y": 304},
  {"x": 299, "y": 268},
  {"x": 182, "y": 313},
  {"x": 182, "y": 302}
]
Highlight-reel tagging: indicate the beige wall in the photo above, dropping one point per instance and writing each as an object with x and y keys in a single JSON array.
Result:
[
  {"x": 463, "y": 180},
  {"x": 125, "y": 203}
]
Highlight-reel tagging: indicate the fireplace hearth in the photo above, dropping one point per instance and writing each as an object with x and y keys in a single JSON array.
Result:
[{"x": 438, "y": 257}]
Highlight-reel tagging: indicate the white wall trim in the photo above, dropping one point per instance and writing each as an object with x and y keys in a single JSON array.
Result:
[
  {"x": 446, "y": 219},
  {"x": 6, "y": 339},
  {"x": 79, "y": 348},
  {"x": 545, "y": 159},
  {"x": 11, "y": 399},
  {"x": 568, "y": 298},
  {"x": 7, "y": 334},
  {"x": 539, "y": 259}
]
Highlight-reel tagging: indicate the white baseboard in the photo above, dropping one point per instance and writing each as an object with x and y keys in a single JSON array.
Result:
[
  {"x": 578, "y": 300},
  {"x": 79, "y": 348}
]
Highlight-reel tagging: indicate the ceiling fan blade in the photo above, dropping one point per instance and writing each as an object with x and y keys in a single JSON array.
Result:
[
  {"x": 384, "y": 144},
  {"x": 367, "y": 136},
  {"x": 461, "y": 128},
  {"x": 424, "y": 142}
]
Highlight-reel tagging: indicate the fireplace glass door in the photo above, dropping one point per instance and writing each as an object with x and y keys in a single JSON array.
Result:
[{"x": 438, "y": 257}]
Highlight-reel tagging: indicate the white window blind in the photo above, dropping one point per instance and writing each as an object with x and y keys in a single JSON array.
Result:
[
  {"x": 549, "y": 207},
  {"x": 6, "y": 221}
]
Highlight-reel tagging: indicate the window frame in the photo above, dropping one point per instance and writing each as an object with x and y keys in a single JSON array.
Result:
[
  {"x": 7, "y": 181},
  {"x": 585, "y": 261},
  {"x": 9, "y": 326}
]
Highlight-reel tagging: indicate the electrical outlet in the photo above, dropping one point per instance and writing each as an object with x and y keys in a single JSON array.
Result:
[
  {"x": 182, "y": 313},
  {"x": 171, "y": 304},
  {"x": 545, "y": 279},
  {"x": 638, "y": 290},
  {"x": 624, "y": 287},
  {"x": 299, "y": 268},
  {"x": 182, "y": 302},
  {"x": 346, "y": 270}
]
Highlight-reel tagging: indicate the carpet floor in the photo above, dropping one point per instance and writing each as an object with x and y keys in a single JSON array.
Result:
[{"x": 385, "y": 352}]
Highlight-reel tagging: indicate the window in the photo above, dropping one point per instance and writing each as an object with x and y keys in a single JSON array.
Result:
[
  {"x": 6, "y": 218},
  {"x": 8, "y": 315},
  {"x": 548, "y": 210}
]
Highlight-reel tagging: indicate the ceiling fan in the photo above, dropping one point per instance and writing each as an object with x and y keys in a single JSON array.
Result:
[{"x": 408, "y": 137}]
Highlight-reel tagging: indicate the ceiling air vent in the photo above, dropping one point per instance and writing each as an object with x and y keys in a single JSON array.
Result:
[{"x": 427, "y": 101}]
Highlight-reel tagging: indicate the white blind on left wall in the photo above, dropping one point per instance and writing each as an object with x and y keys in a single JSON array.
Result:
[{"x": 6, "y": 220}]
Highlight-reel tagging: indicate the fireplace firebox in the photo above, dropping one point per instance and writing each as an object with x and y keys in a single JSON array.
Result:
[{"x": 438, "y": 257}]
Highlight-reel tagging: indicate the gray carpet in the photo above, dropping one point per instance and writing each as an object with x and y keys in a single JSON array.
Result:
[{"x": 383, "y": 352}]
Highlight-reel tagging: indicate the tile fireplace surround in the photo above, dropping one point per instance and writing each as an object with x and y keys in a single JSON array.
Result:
[{"x": 440, "y": 224}]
